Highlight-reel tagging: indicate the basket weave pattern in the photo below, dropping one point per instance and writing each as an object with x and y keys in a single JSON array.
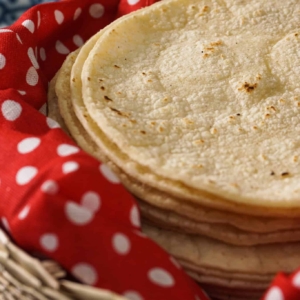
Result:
[{"x": 23, "y": 277}]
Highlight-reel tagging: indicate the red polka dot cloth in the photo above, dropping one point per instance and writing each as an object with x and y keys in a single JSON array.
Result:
[{"x": 57, "y": 200}]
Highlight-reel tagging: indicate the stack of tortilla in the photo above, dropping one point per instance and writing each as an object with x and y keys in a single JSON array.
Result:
[{"x": 196, "y": 106}]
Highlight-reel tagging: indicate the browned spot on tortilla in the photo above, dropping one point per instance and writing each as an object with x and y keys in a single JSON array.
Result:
[
  {"x": 107, "y": 98},
  {"x": 248, "y": 87},
  {"x": 198, "y": 142},
  {"x": 122, "y": 114}
]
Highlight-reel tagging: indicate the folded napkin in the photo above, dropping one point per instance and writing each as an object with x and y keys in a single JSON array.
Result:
[{"x": 57, "y": 200}]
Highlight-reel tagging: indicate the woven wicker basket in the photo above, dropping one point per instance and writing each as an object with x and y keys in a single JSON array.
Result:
[{"x": 23, "y": 277}]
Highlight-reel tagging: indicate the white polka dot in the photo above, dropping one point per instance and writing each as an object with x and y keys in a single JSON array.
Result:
[
  {"x": 42, "y": 54},
  {"x": 49, "y": 242},
  {"x": 50, "y": 187},
  {"x": 96, "y": 10},
  {"x": 78, "y": 214},
  {"x": 5, "y": 223},
  {"x": 70, "y": 166},
  {"x": 43, "y": 109},
  {"x": 24, "y": 213},
  {"x": 296, "y": 280},
  {"x": 161, "y": 277},
  {"x": 135, "y": 216},
  {"x": 91, "y": 201},
  {"x": 29, "y": 25},
  {"x": 85, "y": 273},
  {"x": 274, "y": 293},
  {"x": 52, "y": 123},
  {"x": 5, "y": 30},
  {"x": 77, "y": 13},
  {"x": 66, "y": 150},
  {"x": 140, "y": 234},
  {"x": 19, "y": 39},
  {"x": 59, "y": 16},
  {"x": 121, "y": 243},
  {"x": 77, "y": 40},
  {"x": 28, "y": 145},
  {"x": 2, "y": 61},
  {"x": 61, "y": 48},
  {"x": 32, "y": 58},
  {"x": 109, "y": 174},
  {"x": 32, "y": 77},
  {"x": 132, "y": 295},
  {"x": 39, "y": 19},
  {"x": 25, "y": 175},
  {"x": 11, "y": 110},
  {"x": 22, "y": 93},
  {"x": 133, "y": 2},
  {"x": 175, "y": 262}
]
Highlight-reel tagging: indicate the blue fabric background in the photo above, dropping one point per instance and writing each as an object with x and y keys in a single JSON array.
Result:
[{"x": 10, "y": 10}]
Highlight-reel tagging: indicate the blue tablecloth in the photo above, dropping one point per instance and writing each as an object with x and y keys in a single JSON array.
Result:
[{"x": 10, "y": 10}]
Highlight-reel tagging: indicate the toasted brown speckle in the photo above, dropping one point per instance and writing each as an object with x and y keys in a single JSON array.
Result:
[
  {"x": 143, "y": 132},
  {"x": 205, "y": 8},
  {"x": 107, "y": 98},
  {"x": 285, "y": 174},
  {"x": 115, "y": 110},
  {"x": 217, "y": 43},
  {"x": 198, "y": 142},
  {"x": 117, "y": 67},
  {"x": 214, "y": 131},
  {"x": 282, "y": 101},
  {"x": 248, "y": 87},
  {"x": 198, "y": 166},
  {"x": 122, "y": 114},
  {"x": 102, "y": 88}
]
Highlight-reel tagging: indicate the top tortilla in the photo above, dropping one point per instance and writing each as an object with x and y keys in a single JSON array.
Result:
[{"x": 205, "y": 94}]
